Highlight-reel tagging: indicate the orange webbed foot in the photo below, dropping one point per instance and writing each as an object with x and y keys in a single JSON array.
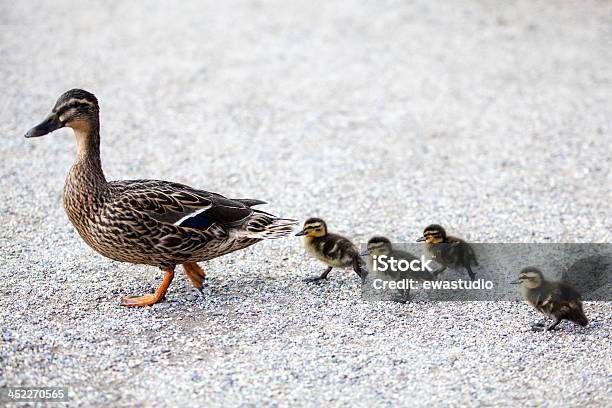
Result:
[
  {"x": 148, "y": 300},
  {"x": 196, "y": 275}
]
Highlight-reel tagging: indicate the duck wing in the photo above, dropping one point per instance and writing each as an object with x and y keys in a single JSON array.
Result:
[
  {"x": 562, "y": 292},
  {"x": 566, "y": 303},
  {"x": 461, "y": 251},
  {"x": 181, "y": 205}
]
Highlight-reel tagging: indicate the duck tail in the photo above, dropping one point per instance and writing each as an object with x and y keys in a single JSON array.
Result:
[
  {"x": 576, "y": 313},
  {"x": 580, "y": 318},
  {"x": 262, "y": 225},
  {"x": 249, "y": 201}
]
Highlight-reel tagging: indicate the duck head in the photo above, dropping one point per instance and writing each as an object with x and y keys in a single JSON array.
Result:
[
  {"x": 313, "y": 227},
  {"x": 530, "y": 278},
  {"x": 433, "y": 234},
  {"x": 378, "y": 246},
  {"x": 76, "y": 109}
]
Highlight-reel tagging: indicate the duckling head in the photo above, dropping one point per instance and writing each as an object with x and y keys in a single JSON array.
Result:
[
  {"x": 530, "y": 277},
  {"x": 313, "y": 227},
  {"x": 76, "y": 108},
  {"x": 379, "y": 246},
  {"x": 433, "y": 234}
]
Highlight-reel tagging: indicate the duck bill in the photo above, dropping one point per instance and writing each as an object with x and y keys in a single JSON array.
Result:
[
  {"x": 299, "y": 234},
  {"x": 364, "y": 253},
  {"x": 45, "y": 127},
  {"x": 421, "y": 239},
  {"x": 515, "y": 283}
]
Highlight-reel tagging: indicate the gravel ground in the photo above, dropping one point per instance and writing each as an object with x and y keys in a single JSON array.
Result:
[{"x": 380, "y": 117}]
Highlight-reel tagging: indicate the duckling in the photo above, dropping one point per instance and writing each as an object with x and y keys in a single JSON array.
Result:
[
  {"x": 379, "y": 246},
  {"x": 448, "y": 251},
  {"x": 556, "y": 300},
  {"x": 150, "y": 222},
  {"x": 332, "y": 249},
  {"x": 382, "y": 246}
]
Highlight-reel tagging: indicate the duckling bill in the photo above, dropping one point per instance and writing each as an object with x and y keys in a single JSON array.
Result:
[
  {"x": 332, "y": 249},
  {"x": 557, "y": 300},
  {"x": 448, "y": 251},
  {"x": 151, "y": 222}
]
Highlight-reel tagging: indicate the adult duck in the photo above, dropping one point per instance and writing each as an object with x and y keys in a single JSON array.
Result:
[{"x": 151, "y": 222}]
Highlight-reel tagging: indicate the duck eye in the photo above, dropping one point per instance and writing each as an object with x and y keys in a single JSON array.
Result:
[{"x": 66, "y": 114}]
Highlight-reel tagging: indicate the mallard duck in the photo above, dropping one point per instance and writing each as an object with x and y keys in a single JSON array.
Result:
[
  {"x": 151, "y": 222},
  {"x": 382, "y": 247},
  {"x": 333, "y": 250},
  {"x": 556, "y": 300},
  {"x": 448, "y": 251}
]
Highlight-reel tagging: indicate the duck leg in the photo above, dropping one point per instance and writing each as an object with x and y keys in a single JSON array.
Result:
[
  {"x": 471, "y": 274},
  {"x": 196, "y": 275},
  {"x": 438, "y": 271},
  {"x": 148, "y": 300},
  {"x": 404, "y": 295},
  {"x": 322, "y": 277},
  {"x": 361, "y": 272},
  {"x": 554, "y": 325}
]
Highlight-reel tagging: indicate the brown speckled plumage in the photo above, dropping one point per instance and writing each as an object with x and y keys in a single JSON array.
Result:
[
  {"x": 332, "y": 249},
  {"x": 150, "y": 222},
  {"x": 557, "y": 300},
  {"x": 449, "y": 251}
]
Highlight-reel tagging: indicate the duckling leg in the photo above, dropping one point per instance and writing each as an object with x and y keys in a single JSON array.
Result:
[
  {"x": 195, "y": 274},
  {"x": 148, "y": 300},
  {"x": 404, "y": 295},
  {"x": 554, "y": 325},
  {"x": 471, "y": 274},
  {"x": 318, "y": 278},
  {"x": 438, "y": 271},
  {"x": 361, "y": 272}
]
